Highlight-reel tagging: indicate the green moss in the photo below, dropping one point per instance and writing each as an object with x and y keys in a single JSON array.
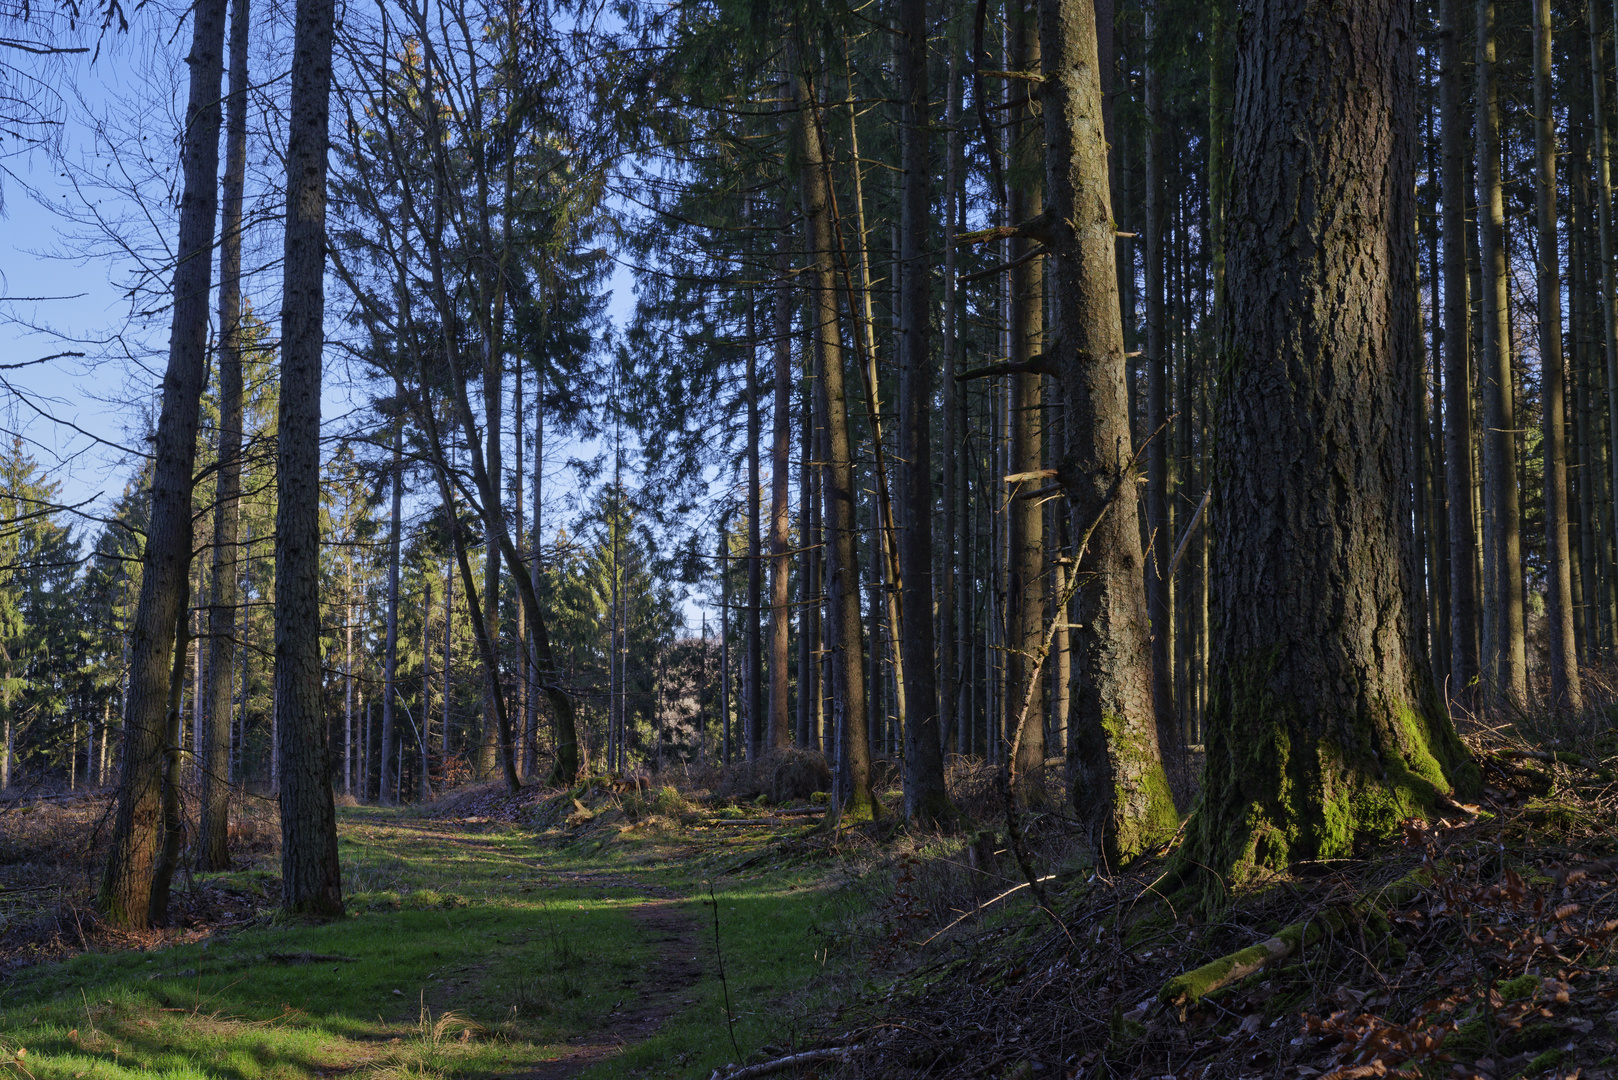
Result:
[
  {"x": 1283, "y": 788},
  {"x": 1143, "y": 811},
  {"x": 1548, "y": 1060}
]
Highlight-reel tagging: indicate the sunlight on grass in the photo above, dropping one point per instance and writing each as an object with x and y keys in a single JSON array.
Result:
[{"x": 467, "y": 952}]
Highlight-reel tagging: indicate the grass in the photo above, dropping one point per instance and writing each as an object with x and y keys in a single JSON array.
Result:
[{"x": 469, "y": 951}]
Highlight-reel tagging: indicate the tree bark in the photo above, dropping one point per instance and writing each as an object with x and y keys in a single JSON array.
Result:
[
  {"x": 388, "y": 782},
  {"x": 1323, "y": 722},
  {"x": 780, "y": 717},
  {"x": 124, "y": 896},
  {"x": 1159, "y": 523},
  {"x": 1457, "y": 318},
  {"x": 1506, "y": 670},
  {"x": 1119, "y": 788},
  {"x": 837, "y": 470},
  {"x": 310, "y": 878},
  {"x": 1565, "y": 689},
  {"x": 753, "y": 684},
  {"x": 1609, "y": 303},
  {"x": 1025, "y": 543},
  {"x": 213, "y": 818},
  {"x": 926, "y": 800}
]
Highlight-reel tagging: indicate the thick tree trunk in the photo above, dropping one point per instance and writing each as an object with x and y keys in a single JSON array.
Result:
[
  {"x": 125, "y": 892},
  {"x": 926, "y": 801},
  {"x": 1565, "y": 690},
  {"x": 310, "y": 877},
  {"x": 1506, "y": 669},
  {"x": 1323, "y": 723},
  {"x": 837, "y": 469},
  {"x": 213, "y": 818},
  {"x": 1119, "y": 788},
  {"x": 1463, "y": 587},
  {"x": 173, "y": 830}
]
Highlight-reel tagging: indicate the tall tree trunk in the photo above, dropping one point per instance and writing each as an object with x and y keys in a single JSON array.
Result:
[
  {"x": 1609, "y": 303},
  {"x": 1159, "y": 524},
  {"x": 1565, "y": 690},
  {"x": 1507, "y": 668},
  {"x": 1457, "y": 317},
  {"x": 387, "y": 781},
  {"x": 1323, "y": 720},
  {"x": 310, "y": 877},
  {"x": 213, "y": 817},
  {"x": 173, "y": 830},
  {"x": 489, "y": 752},
  {"x": 809, "y": 730},
  {"x": 950, "y": 612},
  {"x": 1119, "y": 788},
  {"x": 1025, "y": 543},
  {"x": 125, "y": 892},
  {"x": 780, "y": 718},
  {"x": 837, "y": 470},
  {"x": 535, "y": 570},
  {"x": 525, "y": 679},
  {"x": 754, "y": 682},
  {"x": 926, "y": 800}
]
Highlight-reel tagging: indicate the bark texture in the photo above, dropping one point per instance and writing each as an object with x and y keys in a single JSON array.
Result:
[
  {"x": 1565, "y": 690},
  {"x": 213, "y": 822},
  {"x": 837, "y": 471},
  {"x": 1025, "y": 543},
  {"x": 125, "y": 892},
  {"x": 310, "y": 879},
  {"x": 1119, "y": 787},
  {"x": 1457, "y": 339},
  {"x": 1323, "y": 721},
  {"x": 1506, "y": 664},
  {"x": 926, "y": 801}
]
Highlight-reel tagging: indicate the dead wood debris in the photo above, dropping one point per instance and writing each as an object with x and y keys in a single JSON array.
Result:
[{"x": 1492, "y": 960}]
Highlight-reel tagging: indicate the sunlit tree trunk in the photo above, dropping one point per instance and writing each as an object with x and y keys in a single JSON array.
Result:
[
  {"x": 310, "y": 881},
  {"x": 125, "y": 892},
  {"x": 1506, "y": 669},
  {"x": 1119, "y": 788},
  {"x": 837, "y": 471},
  {"x": 1565, "y": 689}
]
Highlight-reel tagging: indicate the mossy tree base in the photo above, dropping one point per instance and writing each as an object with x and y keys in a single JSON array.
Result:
[{"x": 1323, "y": 724}]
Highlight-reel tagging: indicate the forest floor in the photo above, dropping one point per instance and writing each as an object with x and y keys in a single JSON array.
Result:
[
  {"x": 580, "y": 943},
  {"x": 617, "y": 930}
]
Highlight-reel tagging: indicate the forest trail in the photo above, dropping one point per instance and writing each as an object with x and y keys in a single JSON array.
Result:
[
  {"x": 681, "y": 957},
  {"x": 679, "y": 965}
]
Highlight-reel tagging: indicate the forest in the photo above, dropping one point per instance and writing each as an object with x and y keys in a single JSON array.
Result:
[{"x": 1068, "y": 538}]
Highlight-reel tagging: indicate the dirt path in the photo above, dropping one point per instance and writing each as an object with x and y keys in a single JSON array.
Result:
[{"x": 679, "y": 965}]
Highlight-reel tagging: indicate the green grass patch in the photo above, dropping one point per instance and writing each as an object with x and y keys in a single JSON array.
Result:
[{"x": 468, "y": 951}]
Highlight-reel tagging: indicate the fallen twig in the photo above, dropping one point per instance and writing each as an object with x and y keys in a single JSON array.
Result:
[{"x": 765, "y": 1068}]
